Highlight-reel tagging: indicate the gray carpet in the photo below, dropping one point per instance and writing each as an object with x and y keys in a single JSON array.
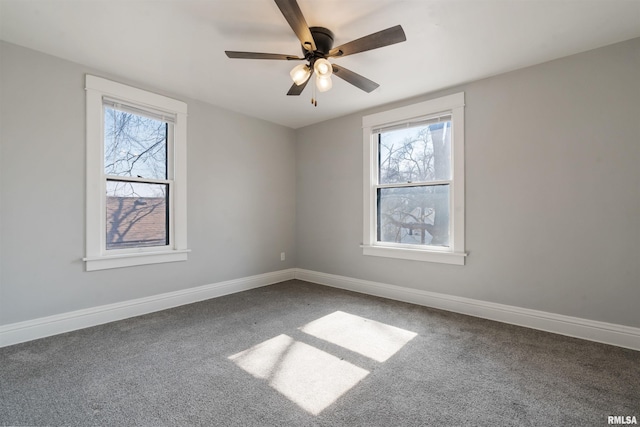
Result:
[{"x": 243, "y": 360}]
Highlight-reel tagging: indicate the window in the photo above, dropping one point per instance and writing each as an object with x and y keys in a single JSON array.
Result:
[
  {"x": 136, "y": 177},
  {"x": 414, "y": 182}
]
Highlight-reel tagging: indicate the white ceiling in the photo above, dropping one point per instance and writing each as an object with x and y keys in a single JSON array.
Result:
[{"x": 178, "y": 45}]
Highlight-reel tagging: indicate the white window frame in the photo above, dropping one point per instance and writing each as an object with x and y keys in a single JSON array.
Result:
[
  {"x": 97, "y": 257},
  {"x": 455, "y": 253}
]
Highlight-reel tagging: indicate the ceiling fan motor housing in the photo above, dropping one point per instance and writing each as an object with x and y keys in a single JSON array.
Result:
[{"x": 323, "y": 38}]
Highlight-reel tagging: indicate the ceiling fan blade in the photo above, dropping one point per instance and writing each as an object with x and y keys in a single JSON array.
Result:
[
  {"x": 382, "y": 38},
  {"x": 297, "y": 89},
  {"x": 354, "y": 78},
  {"x": 294, "y": 17},
  {"x": 258, "y": 55}
]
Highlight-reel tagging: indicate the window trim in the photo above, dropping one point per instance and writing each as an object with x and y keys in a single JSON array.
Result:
[
  {"x": 455, "y": 254},
  {"x": 97, "y": 257}
]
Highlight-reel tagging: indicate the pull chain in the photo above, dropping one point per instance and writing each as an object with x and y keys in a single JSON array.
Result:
[{"x": 314, "y": 100}]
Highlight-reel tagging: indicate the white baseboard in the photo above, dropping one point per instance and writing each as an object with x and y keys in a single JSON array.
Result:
[
  {"x": 607, "y": 333},
  {"x": 52, "y": 325}
]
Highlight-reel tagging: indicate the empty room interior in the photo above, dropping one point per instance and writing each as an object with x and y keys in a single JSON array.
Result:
[{"x": 368, "y": 213}]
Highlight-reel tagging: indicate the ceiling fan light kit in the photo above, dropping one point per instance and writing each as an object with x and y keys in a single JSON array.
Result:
[
  {"x": 323, "y": 68},
  {"x": 300, "y": 74},
  {"x": 323, "y": 83},
  {"x": 317, "y": 46}
]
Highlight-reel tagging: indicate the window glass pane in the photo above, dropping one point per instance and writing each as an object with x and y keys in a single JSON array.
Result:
[
  {"x": 137, "y": 215},
  {"x": 414, "y": 215},
  {"x": 134, "y": 145},
  {"x": 417, "y": 154}
]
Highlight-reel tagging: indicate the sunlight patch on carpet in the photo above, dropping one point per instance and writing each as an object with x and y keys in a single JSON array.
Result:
[
  {"x": 311, "y": 378},
  {"x": 375, "y": 340}
]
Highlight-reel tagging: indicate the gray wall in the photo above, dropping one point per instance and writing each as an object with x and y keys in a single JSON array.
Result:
[
  {"x": 552, "y": 175},
  {"x": 552, "y": 192},
  {"x": 241, "y": 196}
]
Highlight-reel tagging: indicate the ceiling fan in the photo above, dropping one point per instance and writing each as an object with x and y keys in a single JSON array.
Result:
[{"x": 317, "y": 46}]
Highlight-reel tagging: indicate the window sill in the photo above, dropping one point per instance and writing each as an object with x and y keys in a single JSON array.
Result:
[
  {"x": 130, "y": 260},
  {"x": 455, "y": 258}
]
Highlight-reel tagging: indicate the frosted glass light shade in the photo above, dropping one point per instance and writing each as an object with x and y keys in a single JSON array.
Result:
[
  {"x": 322, "y": 67},
  {"x": 300, "y": 74},
  {"x": 323, "y": 83}
]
